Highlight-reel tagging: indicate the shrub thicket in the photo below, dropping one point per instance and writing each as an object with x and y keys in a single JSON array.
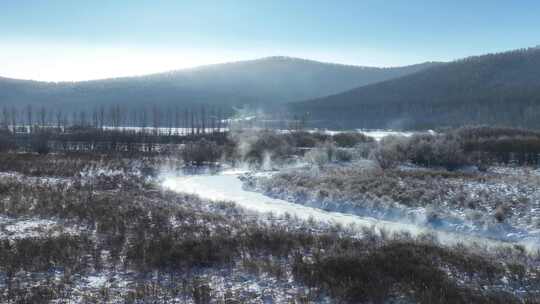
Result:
[
  {"x": 201, "y": 152},
  {"x": 145, "y": 229},
  {"x": 351, "y": 139}
]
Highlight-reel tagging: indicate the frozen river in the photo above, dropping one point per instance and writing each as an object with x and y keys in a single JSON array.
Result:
[{"x": 226, "y": 186}]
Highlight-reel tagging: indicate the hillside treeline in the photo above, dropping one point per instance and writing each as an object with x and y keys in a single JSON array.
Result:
[{"x": 497, "y": 89}]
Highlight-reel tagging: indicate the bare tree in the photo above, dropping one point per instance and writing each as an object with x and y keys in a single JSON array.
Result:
[
  {"x": 219, "y": 120},
  {"x": 101, "y": 117},
  {"x": 29, "y": 116},
  {"x": 177, "y": 120},
  {"x": 169, "y": 118},
  {"x": 115, "y": 116},
  {"x": 83, "y": 119},
  {"x": 42, "y": 117},
  {"x": 14, "y": 118},
  {"x": 74, "y": 119},
  {"x": 134, "y": 117},
  {"x": 5, "y": 118},
  {"x": 95, "y": 118},
  {"x": 156, "y": 119},
  {"x": 213, "y": 119},
  {"x": 186, "y": 121},
  {"x": 144, "y": 119},
  {"x": 203, "y": 119},
  {"x": 59, "y": 120},
  {"x": 192, "y": 122}
]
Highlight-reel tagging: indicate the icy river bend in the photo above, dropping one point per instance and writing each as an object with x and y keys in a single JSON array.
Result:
[{"x": 226, "y": 186}]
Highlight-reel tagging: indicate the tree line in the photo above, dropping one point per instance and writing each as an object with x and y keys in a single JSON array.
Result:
[
  {"x": 181, "y": 121},
  {"x": 114, "y": 128},
  {"x": 496, "y": 89}
]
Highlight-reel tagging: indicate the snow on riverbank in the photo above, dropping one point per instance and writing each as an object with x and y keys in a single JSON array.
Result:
[
  {"x": 494, "y": 207},
  {"x": 228, "y": 187}
]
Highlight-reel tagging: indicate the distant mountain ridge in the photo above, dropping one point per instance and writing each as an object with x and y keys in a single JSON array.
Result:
[
  {"x": 495, "y": 89},
  {"x": 271, "y": 80}
]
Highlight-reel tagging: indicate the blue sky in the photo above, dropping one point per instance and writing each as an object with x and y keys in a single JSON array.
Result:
[{"x": 74, "y": 40}]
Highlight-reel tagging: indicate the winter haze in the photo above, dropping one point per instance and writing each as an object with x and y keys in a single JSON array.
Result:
[{"x": 270, "y": 151}]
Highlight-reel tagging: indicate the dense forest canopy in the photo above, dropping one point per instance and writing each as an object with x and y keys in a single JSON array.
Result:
[{"x": 496, "y": 89}]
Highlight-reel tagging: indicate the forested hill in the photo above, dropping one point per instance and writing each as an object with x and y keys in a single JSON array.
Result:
[
  {"x": 496, "y": 89},
  {"x": 264, "y": 81}
]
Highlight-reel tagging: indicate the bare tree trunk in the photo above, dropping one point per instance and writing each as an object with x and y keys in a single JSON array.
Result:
[
  {"x": 101, "y": 117},
  {"x": 203, "y": 119},
  {"x": 156, "y": 120},
  {"x": 42, "y": 117},
  {"x": 95, "y": 118},
  {"x": 83, "y": 119},
  {"x": 74, "y": 120},
  {"x": 5, "y": 118},
  {"x": 186, "y": 122},
  {"x": 59, "y": 119},
  {"x": 177, "y": 120},
  {"x": 144, "y": 120},
  {"x": 13, "y": 119},
  {"x": 29, "y": 114},
  {"x": 219, "y": 120},
  {"x": 192, "y": 123},
  {"x": 169, "y": 118}
]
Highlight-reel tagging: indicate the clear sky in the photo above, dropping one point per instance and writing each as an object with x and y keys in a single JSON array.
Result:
[{"x": 88, "y": 39}]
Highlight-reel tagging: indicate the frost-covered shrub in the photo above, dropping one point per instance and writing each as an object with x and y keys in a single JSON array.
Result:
[
  {"x": 390, "y": 151},
  {"x": 325, "y": 153},
  {"x": 343, "y": 155},
  {"x": 306, "y": 139},
  {"x": 255, "y": 146},
  {"x": 489, "y": 145},
  {"x": 40, "y": 144},
  {"x": 351, "y": 139},
  {"x": 6, "y": 141},
  {"x": 424, "y": 150},
  {"x": 502, "y": 212},
  {"x": 476, "y": 132},
  {"x": 364, "y": 180},
  {"x": 436, "y": 150},
  {"x": 316, "y": 157},
  {"x": 367, "y": 168},
  {"x": 199, "y": 152},
  {"x": 330, "y": 149},
  {"x": 365, "y": 149}
]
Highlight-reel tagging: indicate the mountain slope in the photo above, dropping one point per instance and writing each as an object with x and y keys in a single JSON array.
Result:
[
  {"x": 502, "y": 89},
  {"x": 268, "y": 80}
]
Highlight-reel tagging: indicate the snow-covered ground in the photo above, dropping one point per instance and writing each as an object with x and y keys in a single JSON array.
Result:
[
  {"x": 377, "y": 134},
  {"x": 21, "y": 228},
  {"x": 34, "y": 179},
  {"x": 237, "y": 283}
]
